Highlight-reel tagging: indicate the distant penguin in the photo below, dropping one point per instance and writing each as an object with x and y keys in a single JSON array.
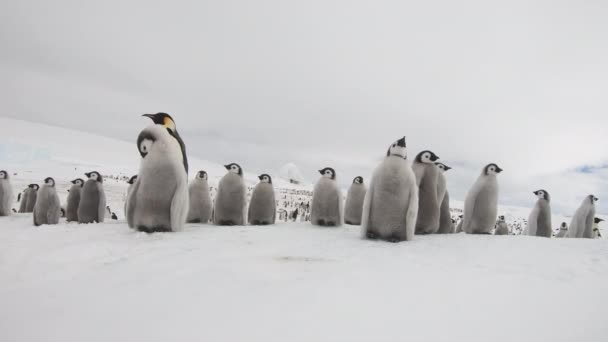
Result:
[
  {"x": 596, "y": 228},
  {"x": 327, "y": 209},
  {"x": 92, "y": 205},
  {"x": 563, "y": 230},
  {"x": 446, "y": 226},
  {"x": 62, "y": 212},
  {"x": 231, "y": 199},
  {"x": 390, "y": 207},
  {"x": 131, "y": 182},
  {"x": 114, "y": 216},
  {"x": 427, "y": 174},
  {"x": 539, "y": 221},
  {"x": 74, "y": 200},
  {"x": 159, "y": 198},
  {"x": 6, "y": 194},
  {"x": 262, "y": 207},
  {"x": 354, "y": 202},
  {"x": 24, "y": 197},
  {"x": 47, "y": 209},
  {"x": 501, "y": 227},
  {"x": 201, "y": 205},
  {"x": 481, "y": 203},
  {"x": 581, "y": 225},
  {"x": 459, "y": 226},
  {"x": 31, "y": 198}
]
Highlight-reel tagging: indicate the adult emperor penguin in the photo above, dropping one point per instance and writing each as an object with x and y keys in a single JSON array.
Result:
[
  {"x": 354, "y": 202},
  {"x": 563, "y": 230},
  {"x": 6, "y": 194},
  {"x": 427, "y": 174},
  {"x": 47, "y": 209},
  {"x": 200, "y": 199},
  {"x": 390, "y": 207},
  {"x": 539, "y": 221},
  {"x": 167, "y": 121},
  {"x": 501, "y": 226},
  {"x": 159, "y": 198},
  {"x": 262, "y": 207},
  {"x": 327, "y": 209},
  {"x": 481, "y": 203},
  {"x": 231, "y": 198},
  {"x": 92, "y": 205},
  {"x": 31, "y": 198},
  {"x": 74, "y": 200},
  {"x": 581, "y": 225},
  {"x": 446, "y": 225}
]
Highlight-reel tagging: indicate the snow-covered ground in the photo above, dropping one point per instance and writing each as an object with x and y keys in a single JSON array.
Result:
[{"x": 295, "y": 282}]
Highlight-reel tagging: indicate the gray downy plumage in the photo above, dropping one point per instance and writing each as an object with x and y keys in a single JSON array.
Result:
[
  {"x": 92, "y": 206},
  {"x": 390, "y": 207},
  {"x": 201, "y": 205},
  {"x": 231, "y": 199},
  {"x": 327, "y": 209},
  {"x": 73, "y": 201},
  {"x": 539, "y": 221},
  {"x": 31, "y": 198},
  {"x": 24, "y": 197},
  {"x": 262, "y": 207},
  {"x": 427, "y": 174},
  {"x": 501, "y": 228},
  {"x": 481, "y": 203},
  {"x": 159, "y": 199},
  {"x": 563, "y": 230},
  {"x": 48, "y": 208},
  {"x": 581, "y": 225},
  {"x": 353, "y": 208},
  {"x": 459, "y": 226},
  {"x": 446, "y": 226},
  {"x": 6, "y": 194}
]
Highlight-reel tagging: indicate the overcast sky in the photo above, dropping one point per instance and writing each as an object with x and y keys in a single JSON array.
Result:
[{"x": 331, "y": 83}]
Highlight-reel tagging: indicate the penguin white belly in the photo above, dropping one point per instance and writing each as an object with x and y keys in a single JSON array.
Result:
[
  {"x": 200, "y": 202},
  {"x": 325, "y": 209},
  {"x": 484, "y": 209},
  {"x": 502, "y": 229},
  {"x": 354, "y": 204},
  {"x": 543, "y": 220},
  {"x": 532, "y": 221},
  {"x": 262, "y": 207},
  {"x": 155, "y": 192}
]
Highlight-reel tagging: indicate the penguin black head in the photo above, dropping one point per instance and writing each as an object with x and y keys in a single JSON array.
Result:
[
  {"x": 460, "y": 216},
  {"x": 427, "y": 157},
  {"x": 265, "y": 178},
  {"x": 501, "y": 217},
  {"x": 492, "y": 169},
  {"x": 94, "y": 175},
  {"x": 34, "y": 186},
  {"x": 202, "y": 175},
  {"x": 443, "y": 167},
  {"x": 132, "y": 180},
  {"x": 542, "y": 194},
  {"x": 328, "y": 172},
  {"x": 62, "y": 212},
  {"x": 564, "y": 225},
  {"x": 358, "y": 180},
  {"x": 398, "y": 148},
  {"x": 597, "y": 220},
  {"x": 234, "y": 168},
  {"x": 162, "y": 119},
  {"x": 49, "y": 181},
  {"x": 78, "y": 181},
  {"x": 593, "y": 199},
  {"x": 3, "y": 174}
]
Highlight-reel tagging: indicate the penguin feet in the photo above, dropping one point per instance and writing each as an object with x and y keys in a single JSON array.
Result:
[
  {"x": 394, "y": 239},
  {"x": 321, "y": 222},
  {"x": 349, "y": 222},
  {"x": 256, "y": 222},
  {"x": 371, "y": 235},
  {"x": 195, "y": 221},
  {"x": 330, "y": 224},
  {"x": 151, "y": 230}
]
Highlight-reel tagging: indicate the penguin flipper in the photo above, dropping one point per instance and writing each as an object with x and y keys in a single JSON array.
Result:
[
  {"x": 179, "y": 207},
  {"x": 101, "y": 210},
  {"x": 367, "y": 205},
  {"x": 130, "y": 205},
  {"x": 412, "y": 214}
]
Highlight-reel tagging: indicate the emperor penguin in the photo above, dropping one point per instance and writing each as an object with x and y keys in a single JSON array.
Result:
[
  {"x": 539, "y": 221},
  {"x": 165, "y": 120},
  {"x": 231, "y": 199},
  {"x": 6, "y": 194},
  {"x": 158, "y": 201},
  {"x": 459, "y": 226},
  {"x": 581, "y": 225},
  {"x": 563, "y": 230},
  {"x": 92, "y": 205},
  {"x": 31, "y": 198},
  {"x": 263, "y": 207},
  {"x": 327, "y": 209},
  {"x": 390, "y": 207},
  {"x": 501, "y": 226},
  {"x": 596, "y": 228},
  {"x": 73, "y": 200},
  {"x": 354, "y": 202},
  {"x": 131, "y": 182},
  {"x": 446, "y": 226},
  {"x": 200, "y": 199},
  {"x": 427, "y": 174},
  {"x": 48, "y": 208},
  {"x": 481, "y": 203}
]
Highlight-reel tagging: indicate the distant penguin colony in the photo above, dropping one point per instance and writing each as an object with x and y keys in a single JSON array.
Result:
[
  {"x": 48, "y": 208},
  {"x": 231, "y": 199},
  {"x": 327, "y": 209},
  {"x": 354, "y": 202},
  {"x": 403, "y": 198}
]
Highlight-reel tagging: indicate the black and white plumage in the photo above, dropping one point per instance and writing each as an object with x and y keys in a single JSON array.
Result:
[
  {"x": 6, "y": 194},
  {"x": 390, "y": 207},
  {"x": 201, "y": 205},
  {"x": 165, "y": 120},
  {"x": 73, "y": 200},
  {"x": 581, "y": 225},
  {"x": 159, "y": 198},
  {"x": 48, "y": 208},
  {"x": 230, "y": 207},
  {"x": 327, "y": 208},
  {"x": 481, "y": 203},
  {"x": 353, "y": 208},
  {"x": 427, "y": 174},
  {"x": 262, "y": 207},
  {"x": 563, "y": 230},
  {"x": 539, "y": 221},
  {"x": 501, "y": 227},
  {"x": 446, "y": 226},
  {"x": 92, "y": 205}
]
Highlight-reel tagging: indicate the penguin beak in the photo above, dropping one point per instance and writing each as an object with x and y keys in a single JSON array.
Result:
[
  {"x": 151, "y": 116},
  {"x": 260, "y": 177},
  {"x": 88, "y": 174},
  {"x": 498, "y": 170},
  {"x": 535, "y": 192},
  {"x": 434, "y": 157},
  {"x": 227, "y": 167},
  {"x": 74, "y": 181},
  {"x": 401, "y": 142},
  {"x": 321, "y": 171}
]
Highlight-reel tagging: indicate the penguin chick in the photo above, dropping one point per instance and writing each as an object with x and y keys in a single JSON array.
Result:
[
  {"x": 446, "y": 225},
  {"x": 31, "y": 198},
  {"x": 262, "y": 207},
  {"x": 201, "y": 205},
  {"x": 427, "y": 174},
  {"x": 6, "y": 194},
  {"x": 581, "y": 225},
  {"x": 73, "y": 200},
  {"x": 92, "y": 205},
  {"x": 231, "y": 198},
  {"x": 47, "y": 209},
  {"x": 353, "y": 208},
  {"x": 563, "y": 230},
  {"x": 481, "y": 203},
  {"x": 539, "y": 221},
  {"x": 327, "y": 208}
]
